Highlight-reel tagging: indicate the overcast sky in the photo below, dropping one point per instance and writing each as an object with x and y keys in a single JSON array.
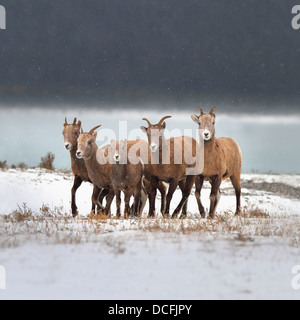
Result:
[{"x": 132, "y": 48}]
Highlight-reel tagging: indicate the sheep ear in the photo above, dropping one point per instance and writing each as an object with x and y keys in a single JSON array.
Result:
[
  {"x": 144, "y": 129},
  {"x": 81, "y": 130},
  {"x": 195, "y": 118},
  {"x": 95, "y": 134}
]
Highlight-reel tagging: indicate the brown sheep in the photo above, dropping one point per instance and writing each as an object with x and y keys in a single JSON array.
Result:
[
  {"x": 163, "y": 164},
  {"x": 71, "y": 133},
  {"x": 99, "y": 173},
  {"x": 138, "y": 150},
  {"x": 222, "y": 160},
  {"x": 127, "y": 176}
]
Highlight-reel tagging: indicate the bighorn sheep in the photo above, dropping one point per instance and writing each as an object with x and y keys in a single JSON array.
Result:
[
  {"x": 163, "y": 164},
  {"x": 127, "y": 176},
  {"x": 222, "y": 160},
  {"x": 99, "y": 174},
  {"x": 71, "y": 133}
]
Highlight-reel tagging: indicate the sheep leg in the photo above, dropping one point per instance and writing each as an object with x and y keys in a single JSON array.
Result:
[
  {"x": 215, "y": 195},
  {"x": 152, "y": 196},
  {"x": 118, "y": 203},
  {"x": 137, "y": 201},
  {"x": 95, "y": 197},
  {"x": 102, "y": 195},
  {"x": 199, "y": 185},
  {"x": 127, "y": 205},
  {"x": 109, "y": 200},
  {"x": 182, "y": 188},
  {"x": 236, "y": 182},
  {"x": 189, "y": 183},
  {"x": 172, "y": 188},
  {"x": 163, "y": 191},
  {"x": 76, "y": 185},
  {"x": 98, "y": 200}
]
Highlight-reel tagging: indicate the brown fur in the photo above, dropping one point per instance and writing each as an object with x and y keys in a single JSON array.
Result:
[
  {"x": 71, "y": 133},
  {"x": 99, "y": 174},
  {"x": 161, "y": 165},
  {"x": 222, "y": 160},
  {"x": 127, "y": 176},
  {"x": 139, "y": 148}
]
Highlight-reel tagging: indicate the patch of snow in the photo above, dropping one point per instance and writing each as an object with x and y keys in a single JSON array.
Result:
[
  {"x": 66, "y": 258},
  {"x": 142, "y": 266}
]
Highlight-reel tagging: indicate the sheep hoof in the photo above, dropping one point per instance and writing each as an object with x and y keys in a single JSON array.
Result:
[
  {"x": 75, "y": 214},
  {"x": 92, "y": 212},
  {"x": 101, "y": 212},
  {"x": 203, "y": 215},
  {"x": 152, "y": 215},
  {"x": 237, "y": 213}
]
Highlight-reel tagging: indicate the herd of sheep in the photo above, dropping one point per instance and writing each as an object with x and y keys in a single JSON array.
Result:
[{"x": 139, "y": 168}]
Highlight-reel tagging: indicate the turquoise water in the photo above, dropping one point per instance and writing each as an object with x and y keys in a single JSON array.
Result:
[{"x": 270, "y": 143}]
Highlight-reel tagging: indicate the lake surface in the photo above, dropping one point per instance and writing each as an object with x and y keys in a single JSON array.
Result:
[{"x": 270, "y": 143}]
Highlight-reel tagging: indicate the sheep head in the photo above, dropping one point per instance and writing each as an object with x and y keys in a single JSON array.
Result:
[
  {"x": 206, "y": 123},
  {"x": 87, "y": 145},
  {"x": 71, "y": 133},
  {"x": 118, "y": 151},
  {"x": 155, "y": 133}
]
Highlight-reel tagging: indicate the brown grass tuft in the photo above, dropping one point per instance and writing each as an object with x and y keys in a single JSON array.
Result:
[
  {"x": 255, "y": 212},
  {"x": 22, "y": 213},
  {"x": 98, "y": 217},
  {"x": 47, "y": 162},
  {"x": 3, "y": 165}
]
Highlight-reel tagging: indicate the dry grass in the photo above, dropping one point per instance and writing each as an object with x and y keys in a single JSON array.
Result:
[
  {"x": 255, "y": 212},
  {"x": 3, "y": 165},
  {"x": 55, "y": 225},
  {"x": 22, "y": 166},
  {"x": 22, "y": 213},
  {"x": 101, "y": 217},
  {"x": 47, "y": 162}
]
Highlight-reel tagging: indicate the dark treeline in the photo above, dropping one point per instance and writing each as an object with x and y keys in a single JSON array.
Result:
[{"x": 140, "y": 48}]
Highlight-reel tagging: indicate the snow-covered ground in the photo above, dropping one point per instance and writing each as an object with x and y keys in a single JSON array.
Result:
[{"x": 48, "y": 254}]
